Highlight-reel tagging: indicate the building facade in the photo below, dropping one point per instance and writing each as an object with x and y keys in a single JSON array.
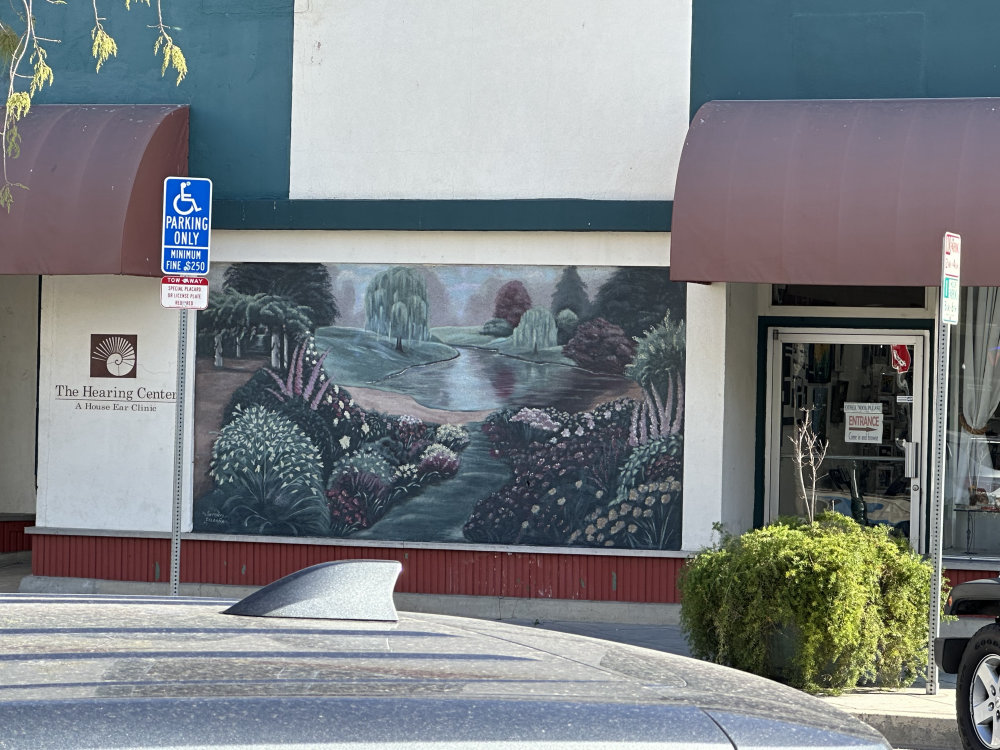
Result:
[{"x": 505, "y": 379}]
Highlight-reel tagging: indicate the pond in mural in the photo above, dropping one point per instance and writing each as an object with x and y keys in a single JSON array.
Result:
[{"x": 486, "y": 404}]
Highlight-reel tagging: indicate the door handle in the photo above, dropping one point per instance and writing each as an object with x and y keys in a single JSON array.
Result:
[{"x": 911, "y": 453}]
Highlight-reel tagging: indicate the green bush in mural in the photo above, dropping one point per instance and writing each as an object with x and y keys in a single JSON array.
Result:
[
  {"x": 259, "y": 440},
  {"x": 304, "y": 394},
  {"x": 820, "y": 605},
  {"x": 648, "y": 462},
  {"x": 269, "y": 476}
]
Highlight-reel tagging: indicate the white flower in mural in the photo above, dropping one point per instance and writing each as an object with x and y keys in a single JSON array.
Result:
[{"x": 345, "y": 442}]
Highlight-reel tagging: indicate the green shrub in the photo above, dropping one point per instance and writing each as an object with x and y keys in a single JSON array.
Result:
[
  {"x": 262, "y": 503},
  {"x": 850, "y": 601},
  {"x": 368, "y": 460},
  {"x": 259, "y": 442}
]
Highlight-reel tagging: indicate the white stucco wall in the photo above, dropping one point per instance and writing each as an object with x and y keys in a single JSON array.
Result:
[
  {"x": 739, "y": 436},
  {"x": 721, "y": 408},
  {"x": 19, "y": 342},
  {"x": 415, "y": 248},
  {"x": 106, "y": 468},
  {"x": 704, "y": 413},
  {"x": 438, "y": 99}
]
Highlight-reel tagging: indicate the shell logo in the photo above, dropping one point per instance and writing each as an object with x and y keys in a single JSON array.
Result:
[{"x": 113, "y": 355}]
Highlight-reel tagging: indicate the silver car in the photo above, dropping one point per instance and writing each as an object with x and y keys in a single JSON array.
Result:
[{"x": 322, "y": 659}]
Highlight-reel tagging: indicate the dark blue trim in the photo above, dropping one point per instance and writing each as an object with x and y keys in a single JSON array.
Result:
[
  {"x": 763, "y": 324},
  {"x": 541, "y": 215}
]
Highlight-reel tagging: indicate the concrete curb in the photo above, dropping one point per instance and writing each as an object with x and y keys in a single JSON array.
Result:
[
  {"x": 914, "y": 732},
  {"x": 907, "y": 718}
]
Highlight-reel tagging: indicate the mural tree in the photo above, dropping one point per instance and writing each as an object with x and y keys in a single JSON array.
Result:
[
  {"x": 226, "y": 317},
  {"x": 396, "y": 306},
  {"x": 512, "y": 302},
  {"x": 567, "y": 322},
  {"x": 659, "y": 368},
  {"x": 601, "y": 346},
  {"x": 537, "y": 330},
  {"x": 570, "y": 294},
  {"x": 235, "y": 316},
  {"x": 306, "y": 285},
  {"x": 636, "y": 299}
]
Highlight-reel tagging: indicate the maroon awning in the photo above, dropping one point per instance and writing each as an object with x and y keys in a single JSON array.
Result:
[
  {"x": 94, "y": 202},
  {"x": 838, "y": 192}
]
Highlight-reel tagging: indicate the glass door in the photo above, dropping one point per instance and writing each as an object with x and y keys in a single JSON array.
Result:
[{"x": 864, "y": 395}]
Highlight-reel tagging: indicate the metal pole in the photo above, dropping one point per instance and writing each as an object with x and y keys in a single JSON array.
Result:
[
  {"x": 175, "y": 526},
  {"x": 937, "y": 499}
]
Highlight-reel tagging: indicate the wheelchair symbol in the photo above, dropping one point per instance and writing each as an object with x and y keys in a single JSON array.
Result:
[{"x": 183, "y": 198}]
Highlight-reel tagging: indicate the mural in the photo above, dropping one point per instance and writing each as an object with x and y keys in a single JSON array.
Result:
[{"x": 487, "y": 404}]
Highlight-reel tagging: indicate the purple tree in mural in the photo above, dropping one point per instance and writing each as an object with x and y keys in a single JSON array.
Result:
[
  {"x": 512, "y": 302},
  {"x": 601, "y": 346}
]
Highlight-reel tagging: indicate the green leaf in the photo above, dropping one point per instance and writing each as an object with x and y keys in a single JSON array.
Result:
[
  {"x": 7, "y": 194},
  {"x": 173, "y": 57},
  {"x": 42, "y": 72},
  {"x": 104, "y": 46},
  {"x": 12, "y": 146},
  {"x": 10, "y": 40},
  {"x": 18, "y": 105}
]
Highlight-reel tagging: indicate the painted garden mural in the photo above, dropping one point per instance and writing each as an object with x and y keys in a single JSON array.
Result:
[{"x": 511, "y": 405}]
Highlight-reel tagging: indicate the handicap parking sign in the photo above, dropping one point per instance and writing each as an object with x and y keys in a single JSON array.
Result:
[{"x": 187, "y": 225}]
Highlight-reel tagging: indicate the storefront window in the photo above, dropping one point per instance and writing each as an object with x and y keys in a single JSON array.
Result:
[{"x": 972, "y": 484}]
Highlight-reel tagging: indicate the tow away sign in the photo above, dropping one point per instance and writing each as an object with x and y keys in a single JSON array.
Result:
[
  {"x": 187, "y": 225},
  {"x": 862, "y": 422},
  {"x": 184, "y": 292}
]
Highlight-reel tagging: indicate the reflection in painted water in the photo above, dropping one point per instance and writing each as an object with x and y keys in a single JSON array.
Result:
[{"x": 480, "y": 379}]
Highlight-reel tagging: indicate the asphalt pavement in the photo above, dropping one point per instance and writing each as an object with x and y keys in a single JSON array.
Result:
[{"x": 908, "y": 718}]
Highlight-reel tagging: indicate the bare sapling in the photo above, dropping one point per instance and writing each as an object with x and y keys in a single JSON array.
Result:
[{"x": 808, "y": 452}]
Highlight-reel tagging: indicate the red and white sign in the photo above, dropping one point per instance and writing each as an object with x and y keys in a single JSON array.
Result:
[
  {"x": 863, "y": 422},
  {"x": 901, "y": 358},
  {"x": 184, "y": 292},
  {"x": 951, "y": 264}
]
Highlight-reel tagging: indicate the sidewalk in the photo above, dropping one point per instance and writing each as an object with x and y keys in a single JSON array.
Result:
[{"x": 908, "y": 718}]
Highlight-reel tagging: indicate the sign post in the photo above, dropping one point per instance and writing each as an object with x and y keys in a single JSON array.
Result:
[
  {"x": 951, "y": 261},
  {"x": 187, "y": 231}
]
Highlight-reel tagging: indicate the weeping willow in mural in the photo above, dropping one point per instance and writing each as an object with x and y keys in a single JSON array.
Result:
[{"x": 442, "y": 404}]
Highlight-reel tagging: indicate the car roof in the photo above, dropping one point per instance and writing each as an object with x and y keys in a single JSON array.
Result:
[{"x": 106, "y": 671}]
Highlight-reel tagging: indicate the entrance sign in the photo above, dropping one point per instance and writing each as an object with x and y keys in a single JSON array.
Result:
[
  {"x": 951, "y": 262},
  {"x": 863, "y": 423},
  {"x": 184, "y": 292},
  {"x": 187, "y": 225}
]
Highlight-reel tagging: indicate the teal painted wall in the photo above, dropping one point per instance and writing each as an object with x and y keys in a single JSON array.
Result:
[
  {"x": 239, "y": 55},
  {"x": 844, "y": 49}
]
